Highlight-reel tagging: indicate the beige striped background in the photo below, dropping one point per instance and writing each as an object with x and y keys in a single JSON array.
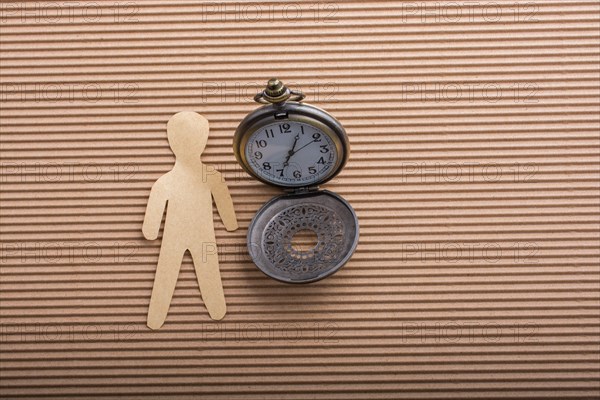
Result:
[{"x": 474, "y": 172}]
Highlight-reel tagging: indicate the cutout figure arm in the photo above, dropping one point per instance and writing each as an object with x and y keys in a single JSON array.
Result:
[
  {"x": 155, "y": 209},
  {"x": 224, "y": 203}
]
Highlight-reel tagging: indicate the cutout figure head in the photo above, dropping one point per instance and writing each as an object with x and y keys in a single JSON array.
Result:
[{"x": 187, "y": 132}]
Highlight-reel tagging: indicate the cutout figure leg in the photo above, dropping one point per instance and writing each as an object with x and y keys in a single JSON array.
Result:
[
  {"x": 206, "y": 263},
  {"x": 167, "y": 272}
]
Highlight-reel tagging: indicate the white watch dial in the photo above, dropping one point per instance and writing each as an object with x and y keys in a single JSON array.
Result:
[{"x": 291, "y": 153}]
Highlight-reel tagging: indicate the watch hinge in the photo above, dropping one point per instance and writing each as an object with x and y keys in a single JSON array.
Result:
[{"x": 301, "y": 190}]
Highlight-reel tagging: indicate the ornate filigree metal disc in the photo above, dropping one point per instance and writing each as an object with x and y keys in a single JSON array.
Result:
[{"x": 271, "y": 234}]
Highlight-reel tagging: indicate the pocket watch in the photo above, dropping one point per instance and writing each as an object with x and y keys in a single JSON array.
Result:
[{"x": 296, "y": 147}]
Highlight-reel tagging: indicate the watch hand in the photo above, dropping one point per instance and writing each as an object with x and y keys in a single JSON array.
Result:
[
  {"x": 291, "y": 152},
  {"x": 312, "y": 141}
]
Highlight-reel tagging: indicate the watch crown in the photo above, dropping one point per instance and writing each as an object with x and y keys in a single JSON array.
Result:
[
  {"x": 275, "y": 88},
  {"x": 277, "y": 93}
]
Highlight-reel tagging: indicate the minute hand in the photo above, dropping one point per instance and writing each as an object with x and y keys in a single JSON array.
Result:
[{"x": 312, "y": 141}]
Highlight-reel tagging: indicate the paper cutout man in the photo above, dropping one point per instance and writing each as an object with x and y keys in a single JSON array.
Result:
[{"x": 187, "y": 189}]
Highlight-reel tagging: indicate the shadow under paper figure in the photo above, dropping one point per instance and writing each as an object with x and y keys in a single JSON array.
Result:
[{"x": 187, "y": 192}]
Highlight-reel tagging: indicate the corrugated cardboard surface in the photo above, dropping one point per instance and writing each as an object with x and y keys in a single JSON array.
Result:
[{"x": 474, "y": 172}]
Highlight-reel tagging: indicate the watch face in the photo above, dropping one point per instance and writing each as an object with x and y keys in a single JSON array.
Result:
[{"x": 291, "y": 153}]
